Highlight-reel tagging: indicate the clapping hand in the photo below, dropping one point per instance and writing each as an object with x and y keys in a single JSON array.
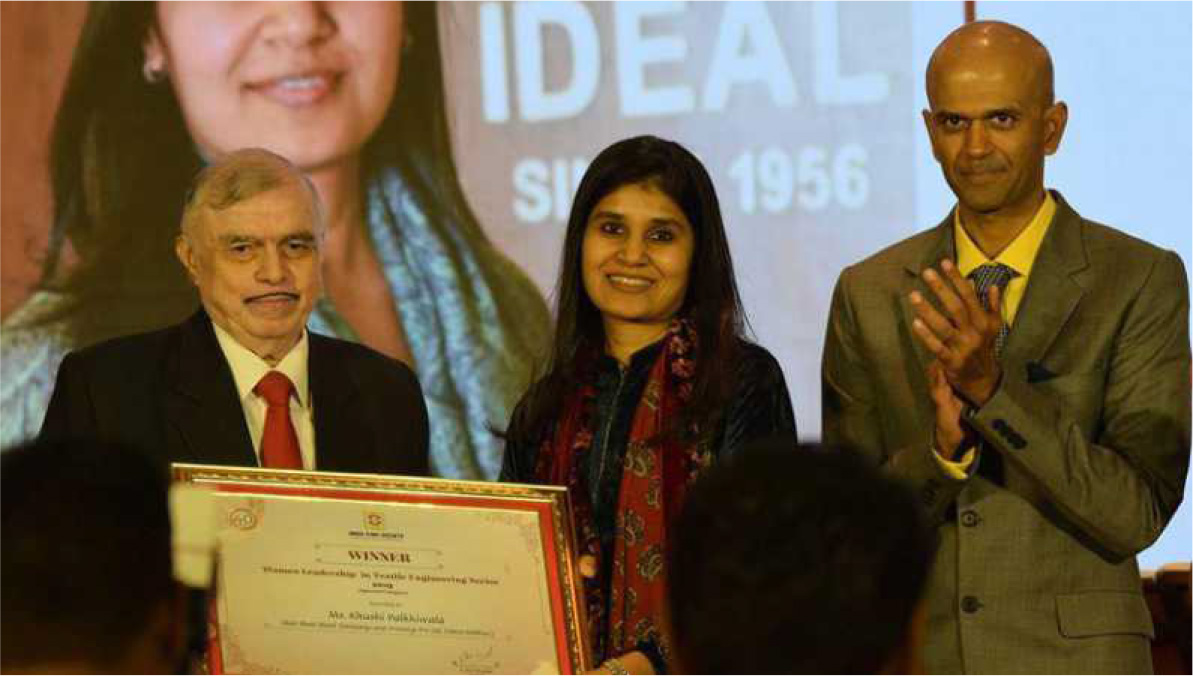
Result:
[
  {"x": 963, "y": 338},
  {"x": 950, "y": 433}
]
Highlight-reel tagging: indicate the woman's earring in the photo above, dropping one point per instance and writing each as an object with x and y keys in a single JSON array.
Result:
[{"x": 153, "y": 75}]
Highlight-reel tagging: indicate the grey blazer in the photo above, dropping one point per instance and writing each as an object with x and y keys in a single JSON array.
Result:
[{"x": 1036, "y": 568}]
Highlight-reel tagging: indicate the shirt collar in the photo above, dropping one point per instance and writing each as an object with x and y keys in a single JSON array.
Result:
[
  {"x": 248, "y": 368},
  {"x": 1019, "y": 255}
]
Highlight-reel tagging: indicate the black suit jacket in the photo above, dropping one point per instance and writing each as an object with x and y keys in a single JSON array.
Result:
[{"x": 171, "y": 393}]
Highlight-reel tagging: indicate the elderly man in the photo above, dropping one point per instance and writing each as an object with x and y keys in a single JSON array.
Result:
[
  {"x": 242, "y": 382},
  {"x": 1028, "y": 371}
]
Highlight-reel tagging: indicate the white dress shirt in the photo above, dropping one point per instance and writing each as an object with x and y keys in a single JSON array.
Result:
[{"x": 247, "y": 371}]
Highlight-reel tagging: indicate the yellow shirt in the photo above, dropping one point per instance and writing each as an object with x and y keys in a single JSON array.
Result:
[{"x": 1020, "y": 254}]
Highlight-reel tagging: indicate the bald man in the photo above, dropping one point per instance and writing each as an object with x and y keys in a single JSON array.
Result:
[
  {"x": 242, "y": 382},
  {"x": 1027, "y": 371}
]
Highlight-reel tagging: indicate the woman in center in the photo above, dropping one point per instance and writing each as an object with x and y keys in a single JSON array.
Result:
[{"x": 650, "y": 381}]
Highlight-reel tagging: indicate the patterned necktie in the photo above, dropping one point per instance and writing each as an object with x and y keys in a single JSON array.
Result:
[
  {"x": 279, "y": 443},
  {"x": 986, "y": 276}
]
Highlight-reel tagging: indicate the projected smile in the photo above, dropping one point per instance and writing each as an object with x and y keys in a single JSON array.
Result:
[
  {"x": 629, "y": 283},
  {"x": 298, "y": 89}
]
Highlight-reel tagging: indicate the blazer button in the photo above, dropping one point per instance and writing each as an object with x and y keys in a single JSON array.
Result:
[
  {"x": 970, "y": 518},
  {"x": 971, "y": 604}
]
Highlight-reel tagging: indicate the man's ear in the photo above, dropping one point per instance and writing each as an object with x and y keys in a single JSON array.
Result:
[
  {"x": 1056, "y": 117},
  {"x": 174, "y": 631},
  {"x": 160, "y": 645},
  {"x": 168, "y": 631},
  {"x": 906, "y": 658},
  {"x": 184, "y": 248}
]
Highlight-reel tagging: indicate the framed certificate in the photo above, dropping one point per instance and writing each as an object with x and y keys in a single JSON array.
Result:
[{"x": 354, "y": 573}]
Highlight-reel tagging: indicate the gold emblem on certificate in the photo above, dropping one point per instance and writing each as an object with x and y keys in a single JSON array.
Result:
[{"x": 355, "y": 573}]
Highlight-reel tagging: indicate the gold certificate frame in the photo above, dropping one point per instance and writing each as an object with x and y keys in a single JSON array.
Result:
[{"x": 322, "y": 572}]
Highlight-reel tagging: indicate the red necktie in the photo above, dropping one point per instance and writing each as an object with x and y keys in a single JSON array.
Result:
[{"x": 279, "y": 443}]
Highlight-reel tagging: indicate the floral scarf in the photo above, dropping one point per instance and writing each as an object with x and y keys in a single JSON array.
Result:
[{"x": 656, "y": 470}]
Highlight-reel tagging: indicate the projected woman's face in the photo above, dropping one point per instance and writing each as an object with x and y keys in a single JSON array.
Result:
[{"x": 308, "y": 80}]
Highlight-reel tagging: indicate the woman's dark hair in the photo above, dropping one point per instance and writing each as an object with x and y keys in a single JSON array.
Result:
[
  {"x": 122, "y": 160},
  {"x": 712, "y": 303}
]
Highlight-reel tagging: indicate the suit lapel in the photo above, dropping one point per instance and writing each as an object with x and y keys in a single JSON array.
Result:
[
  {"x": 340, "y": 445},
  {"x": 1053, "y": 292},
  {"x": 203, "y": 404},
  {"x": 940, "y": 245}
]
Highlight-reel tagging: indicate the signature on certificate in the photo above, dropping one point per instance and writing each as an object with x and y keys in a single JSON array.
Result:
[{"x": 476, "y": 661}]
